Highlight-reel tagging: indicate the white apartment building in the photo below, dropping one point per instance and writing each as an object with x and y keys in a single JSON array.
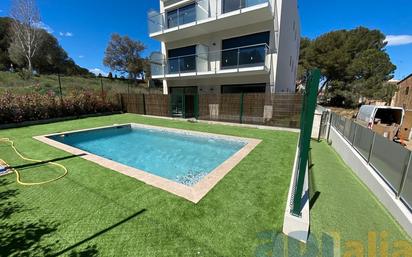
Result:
[{"x": 225, "y": 46}]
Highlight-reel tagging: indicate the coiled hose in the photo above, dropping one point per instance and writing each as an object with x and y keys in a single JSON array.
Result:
[{"x": 18, "y": 177}]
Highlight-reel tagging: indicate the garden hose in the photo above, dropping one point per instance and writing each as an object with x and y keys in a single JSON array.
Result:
[{"x": 18, "y": 177}]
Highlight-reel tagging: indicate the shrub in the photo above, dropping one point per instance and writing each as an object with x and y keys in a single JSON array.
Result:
[{"x": 15, "y": 108}]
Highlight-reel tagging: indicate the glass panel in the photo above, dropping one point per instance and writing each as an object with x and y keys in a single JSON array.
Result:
[
  {"x": 187, "y": 14},
  {"x": 353, "y": 131},
  {"x": 252, "y": 56},
  {"x": 172, "y": 19},
  {"x": 173, "y": 65},
  {"x": 232, "y": 5},
  {"x": 389, "y": 159},
  {"x": 340, "y": 124},
  {"x": 182, "y": 64},
  {"x": 229, "y": 58},
  {"x": 156, "y": 63},
  {"x": 188, "y": 63},
  {"x": 246, "y": 57},
  {"x": 347, "y": 129},
  {"x": 363, "y": 141},
  {"x": 249, "y": 3},
  {"x": 182, "y": 15},
  {"x": 155, "y": 22},
  {"x": 406, "y": 194}
]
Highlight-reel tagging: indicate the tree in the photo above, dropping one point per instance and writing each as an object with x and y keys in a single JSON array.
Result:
[
  {"x": 26, "y": 35},
  {"x": 110, "y": 75},
  {"x": 124, "y": 55},
  {"x": 5, "y": 40},
  {"x": 353, "y": 63}
]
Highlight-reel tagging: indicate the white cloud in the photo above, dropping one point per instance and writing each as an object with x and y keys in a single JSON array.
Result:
[
  {"x": 81, "y": 56},
  {"x": 42, "y": 25},
  {"x": 397, "y": 40},
  {"x": 66, "y": 34},
  {"x": 97, "y": 71}
]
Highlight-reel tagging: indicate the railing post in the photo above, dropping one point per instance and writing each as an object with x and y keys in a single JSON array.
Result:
[
  {"x": 238, "y": 59},
  {"x": 329, "y": 126},
  {"x": 371, "y": 148},
  {"x": 197, "y": 106},
  {"x": 178, "y": 19},
  {"x": 144, "y": 104},
  {"x": 405, "y": 175},
  {"x": 178, "y": 66},
  {"x": 241, "y": 108},
  {"x": 184, "y": 106}
]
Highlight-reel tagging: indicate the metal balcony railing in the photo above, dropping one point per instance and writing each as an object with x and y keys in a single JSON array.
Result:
[
  {"x": 196, "y": 12},
  {"x": 213, "y": 62}
]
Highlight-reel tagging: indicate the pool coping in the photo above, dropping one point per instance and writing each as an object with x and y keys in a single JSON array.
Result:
[{"x": 193, "y": 194}]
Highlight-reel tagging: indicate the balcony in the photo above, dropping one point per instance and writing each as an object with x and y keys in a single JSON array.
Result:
[
  {"x": 247, "y": 60},
  {"x": 207, "y": 16}
]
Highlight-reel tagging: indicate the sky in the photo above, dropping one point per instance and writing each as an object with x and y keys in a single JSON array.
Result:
[{"x": 84, "y": 27}]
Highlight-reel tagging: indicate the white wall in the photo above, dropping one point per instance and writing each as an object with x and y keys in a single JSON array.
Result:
[{"x": 288, "y": 50}]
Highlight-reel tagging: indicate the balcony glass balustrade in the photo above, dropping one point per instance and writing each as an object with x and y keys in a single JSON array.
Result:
[
  {"x": 198, "y": 11},
  {"x": 213, "y": 62}
]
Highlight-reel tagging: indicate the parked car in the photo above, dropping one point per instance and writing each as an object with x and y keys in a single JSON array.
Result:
[{"x": 384, "y": 120}]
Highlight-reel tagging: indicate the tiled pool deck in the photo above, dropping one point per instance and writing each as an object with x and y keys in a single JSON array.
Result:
[{"x": 193, "y": 194}]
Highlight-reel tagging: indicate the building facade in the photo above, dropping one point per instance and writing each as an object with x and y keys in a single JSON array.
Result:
[
  {"x": 403, "y": 97},
  {"x": 225, "y": 46}
]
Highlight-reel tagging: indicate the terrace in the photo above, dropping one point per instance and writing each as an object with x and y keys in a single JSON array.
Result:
[
  {"x": 245, "y": 60},
  {"x": 182, "y": 20},
  {"x": 98, "y": 212}
]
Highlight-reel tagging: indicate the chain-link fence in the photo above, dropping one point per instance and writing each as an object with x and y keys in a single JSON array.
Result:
[{"x": 390, "y": 160}]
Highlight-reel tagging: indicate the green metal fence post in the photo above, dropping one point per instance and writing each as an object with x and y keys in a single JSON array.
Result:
[
  {"x": 308, "y": 115},
  {"x": 183, "y": 106},
  {"x": 241, "y": 108},
  {"x": 197, "y": 106},
  {"x": 144, "y": 104}
]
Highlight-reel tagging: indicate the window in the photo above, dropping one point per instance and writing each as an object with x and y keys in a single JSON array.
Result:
[
  {"x": 245, "y": 51},
  {"x": 245, "y": 88},
  {"x": 182, "y": 15},
  {"x": 233, "y": 5},
  {"x": 182, "y": 59},
  {"x": 407, "y": 91}
]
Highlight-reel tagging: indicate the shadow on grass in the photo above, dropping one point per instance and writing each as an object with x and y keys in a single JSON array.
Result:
[
  {"x": 31, "y": 165},
  {"x": 28, "y": 236},
  {"x": 99, "y": 234}
]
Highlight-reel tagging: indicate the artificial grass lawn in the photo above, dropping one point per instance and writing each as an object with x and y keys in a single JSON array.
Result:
[
  {"x": 97, "y": 212},
  {"x": 91, "y": 199},
  {"x": 346, "y": 209}
]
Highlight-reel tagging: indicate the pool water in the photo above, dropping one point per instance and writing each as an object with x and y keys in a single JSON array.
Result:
[{"x": 181, "y": 157}]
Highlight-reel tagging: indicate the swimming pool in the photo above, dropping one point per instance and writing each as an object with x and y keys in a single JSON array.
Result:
[{"x": 185, "y": 162}]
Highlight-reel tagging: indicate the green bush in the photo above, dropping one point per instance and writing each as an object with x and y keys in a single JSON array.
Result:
[{"x": 15, "y": 108}]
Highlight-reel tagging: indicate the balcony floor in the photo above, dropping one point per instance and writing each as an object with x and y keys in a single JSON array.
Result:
[{"x": 249, "y": 71}]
